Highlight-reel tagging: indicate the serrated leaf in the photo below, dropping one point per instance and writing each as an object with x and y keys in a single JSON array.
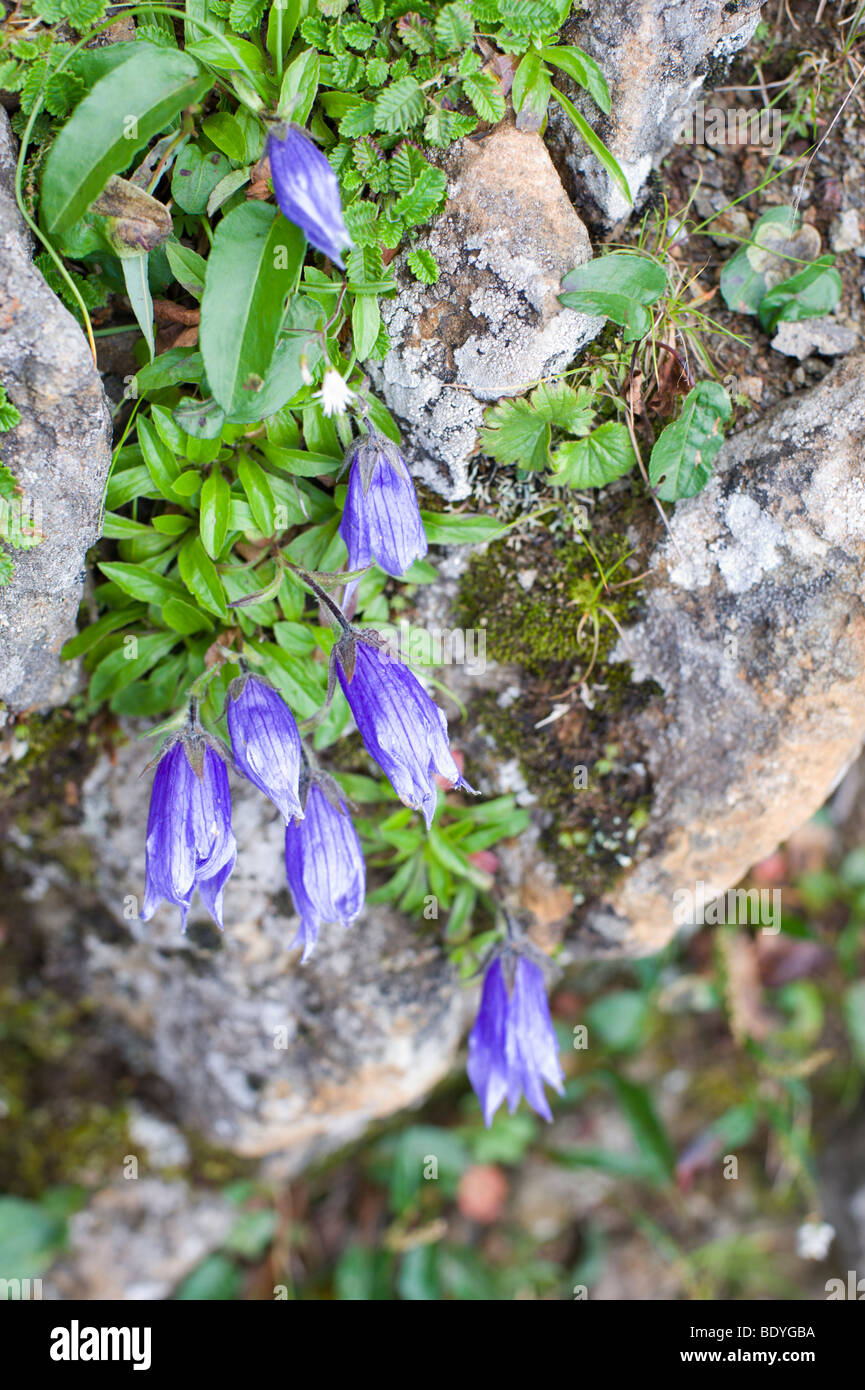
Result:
[
  {"x": 486, "y": 96},
  {"x": 423, "y": 266},
  {"x": 245, "y": 16},
  {"x": 515, "y": 433},
  {"x": 126, "y": 108},
  {"x": 424, "y": 198},
  {"x": 455, "y": 29},
  {"x": 400, "y": 106},
  {"x": 683, "y": 454}
]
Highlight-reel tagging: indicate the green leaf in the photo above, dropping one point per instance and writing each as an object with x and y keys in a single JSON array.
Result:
[
  {"x": 187, "y": 267},
  {"x": 530, "y": 92},
  {"x": 652, "y": 1139},
  {"x": 196, "y": 174},
  {"x": 423, "y": 266},
  {"x": 214, "y": 512},
  {"x": 455, "y": 29},
  {"x": 30, "y": 1237},
  {"x": 622, "y": 273},
  {"x": 742, "y": 285},
  {"x": 245, "y": 16},
  {"x": 854, "y": 1016},
  {"x": 299, "y": 87},
  {"x": 424, "y": 197},
  {"x": 183, "y": 617},
  {"x": 814, "y": 291},
  {"x": 683, "y": 454},
  {"x": 282, "y": 22},
  {"x": 91, "y": 636},
  {"x": 484, "y": 91},
  {"x": 604, "y": 455},
  {"x": 461, "y": 528},
  {"x": 200, "y": 419},
  {"x": 253, "y": 266},
  {"x": 583, "y": 70},
  {"x": 514, "y": 432},
  {"x": 128, "y": 663},
  {"x": 228, "y": 54},
  {"x": 143, "y": 584},
  {"x": 158, "y": 457},
  {"x": 595, "y": 144},
  {"x": 365, "y": 324},
  {"x": 255, "y": 484},
  {"x": 198, "y": 573},
  {"x": 122, "y": 114},
  {"x": 400, "y": 106},
  {"x": 140, "y": 299},
  {"x": 227, "y": 133},
  {"x": 216, "y": 1279}
]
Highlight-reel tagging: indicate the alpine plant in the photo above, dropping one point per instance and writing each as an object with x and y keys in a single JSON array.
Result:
[
  {"x": 265, "y": 742},
  {"x": 512, "y": 1046},
  {"x": 381, "y": 522},
  {"x": 323, "y": 863},
  {"x": 307, "y": 191},
  {"x": 190, "y": 843}
]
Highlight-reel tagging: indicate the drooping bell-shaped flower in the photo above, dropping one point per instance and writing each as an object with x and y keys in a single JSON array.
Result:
[
  {"x": 512, "y": 1046},
  {"x": 381, "y": 521},
  {"x": 190, "y": 843},
  {"x": 265, "y": 742},
  {"x": 324, "y": 863},
  {"x": 307, "y": 191},
  {"x": 402, "y": 728}
]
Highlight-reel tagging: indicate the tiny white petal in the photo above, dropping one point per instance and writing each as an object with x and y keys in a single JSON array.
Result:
[{"x": 335, "y": 394}]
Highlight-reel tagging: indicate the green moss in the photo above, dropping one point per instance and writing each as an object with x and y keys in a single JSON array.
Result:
[{"x": 587, "y": 767}]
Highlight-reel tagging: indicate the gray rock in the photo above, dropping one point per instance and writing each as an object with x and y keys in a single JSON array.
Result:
[
  {"x": 492, "y": 325},
  {"x": 59, "y": 454},
  {"x": 137, "y": 1239},
  {"x": 654, "y": 55},
  {"x": 755, "y": 629},
  {"x": 825, "y": 336}
]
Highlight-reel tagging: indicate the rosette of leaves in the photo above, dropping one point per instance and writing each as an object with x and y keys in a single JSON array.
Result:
[{"x": 780, "y": 275}]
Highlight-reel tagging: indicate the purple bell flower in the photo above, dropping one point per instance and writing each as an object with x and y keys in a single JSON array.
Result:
[
  {"x": 402, "y": 728},
  {"x": 381, "y": 521},
  {"x": 190, "y": 843},
  {"x": 307, "y": 191},
  {"x": 512, "y": 1046},
  {"x": 324, "y": 863},
  {"x": 265, "y": 742}
]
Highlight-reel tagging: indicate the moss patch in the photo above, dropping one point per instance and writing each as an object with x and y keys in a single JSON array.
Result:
[{"x": 547, "y": 610}]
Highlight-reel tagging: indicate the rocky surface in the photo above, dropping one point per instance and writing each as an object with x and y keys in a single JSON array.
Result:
[
  {"x": 492, "y": 324},
  {"x": 755, "y": 630},
  {"x": 654, "y": 55},
  {"x": 260, "y": 1055},
  {"x": 59, "y": 455},
  {"x": 136, "y": 1239}
]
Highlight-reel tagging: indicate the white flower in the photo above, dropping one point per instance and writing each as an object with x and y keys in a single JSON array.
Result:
[
  {"x": 335, "y": 393},
  {"x": 813, "y": 1239}
]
